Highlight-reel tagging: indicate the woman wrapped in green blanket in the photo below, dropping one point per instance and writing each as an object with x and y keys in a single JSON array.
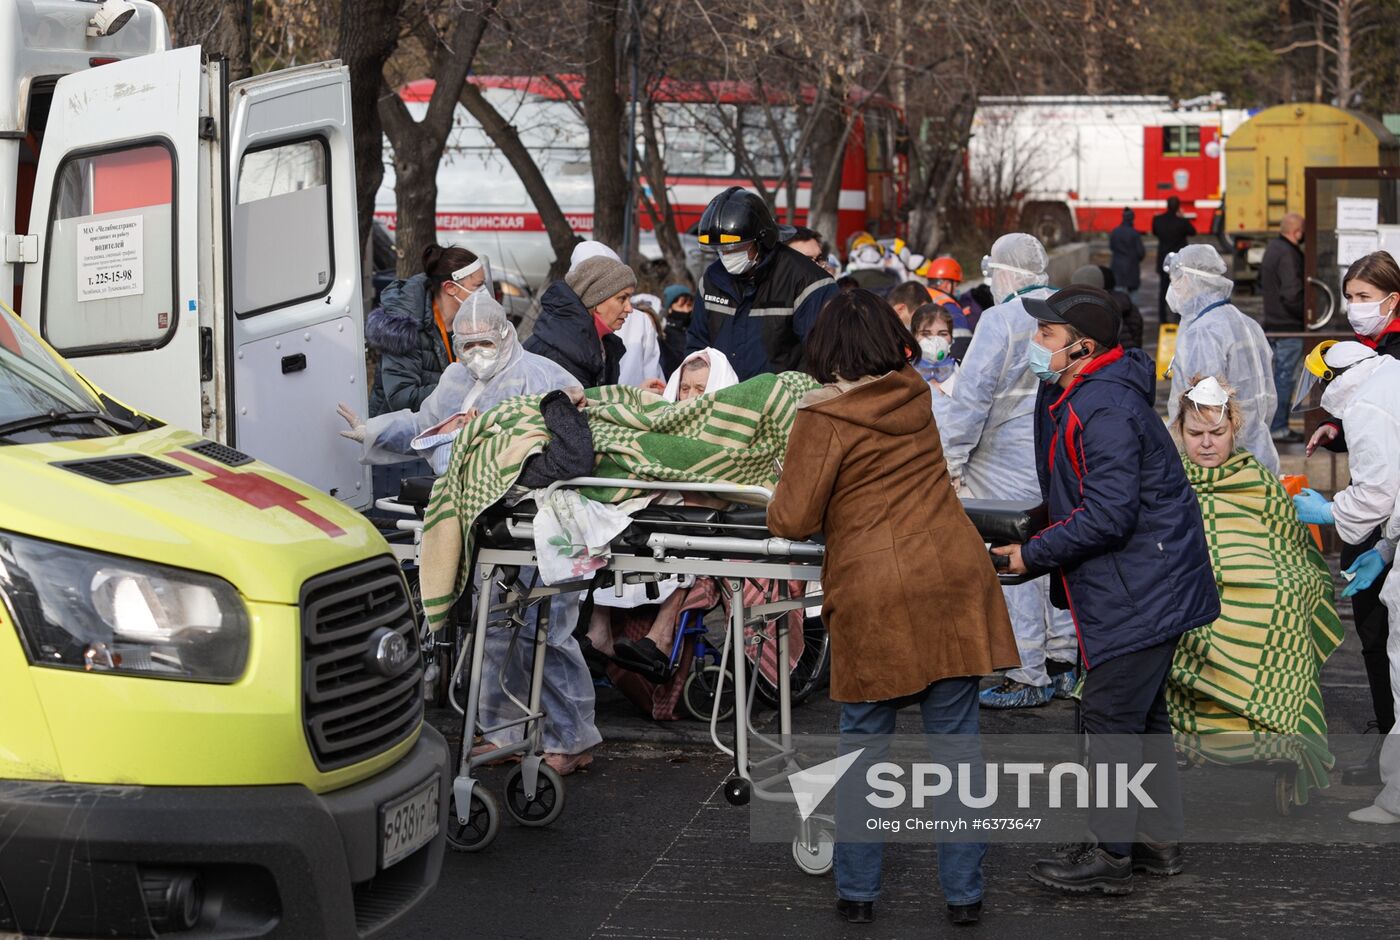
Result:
[{"x": 1245, "y": 689}]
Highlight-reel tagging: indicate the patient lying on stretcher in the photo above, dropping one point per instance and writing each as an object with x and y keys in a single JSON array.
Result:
[
  {"x": 635, "y": 631},
  {"x": 701, "y": 373}
]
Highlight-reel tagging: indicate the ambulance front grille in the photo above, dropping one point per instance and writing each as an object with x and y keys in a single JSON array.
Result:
[{"x": 352, "y": 710}]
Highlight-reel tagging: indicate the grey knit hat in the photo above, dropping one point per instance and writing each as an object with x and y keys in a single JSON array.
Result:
[{"x": 599, "y": 278}]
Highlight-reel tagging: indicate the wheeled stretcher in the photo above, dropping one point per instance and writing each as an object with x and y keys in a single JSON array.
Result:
[{"x": 732, "y": 546}]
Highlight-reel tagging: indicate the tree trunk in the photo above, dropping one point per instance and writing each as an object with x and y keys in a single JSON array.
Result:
[
  {"x": 1285, "y": 18},
  {"x": 415, "y": 171},
  {"x": 1320, "y": 63},
  {"x": 418, "y": 145},
  {"x": 605, "y": 116},
  {"x": 221, "y": 27},
  {"x": 507, "y": 140},
  {"x": 828, "y": 153},
  {"x": 1093, "y": 50},
  {"x": 1345, "y": 25},
  {"x": 663, "y": 216},
  {"x": 368, "y": 35}
]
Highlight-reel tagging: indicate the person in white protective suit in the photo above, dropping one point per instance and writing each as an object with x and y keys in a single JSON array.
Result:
[
  {"x": 1365, "y": 394},
  {"x": 988, "y": 433},
  {"x": 1215, "y": 338},
  {"x": 641, "y": 363},
  {"x": 491, "y": 366}
]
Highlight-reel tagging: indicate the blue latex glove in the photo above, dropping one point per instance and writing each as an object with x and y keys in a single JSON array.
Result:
[
  {"x": 1364, "y": 571},
  {"x": 1313, "y": 508}
]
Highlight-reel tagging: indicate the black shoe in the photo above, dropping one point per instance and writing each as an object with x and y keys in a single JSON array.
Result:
[
  {"x": 856, "y": 912},
  {"x": 1083, "y": 869},
  {"x": 1368, "y": 772},
  {"x": 1158, "y": 858},
  {"x": 644, "y": 657},
  {"x": 1287, "y": 437},
  {"x": 964, "y": 915}
]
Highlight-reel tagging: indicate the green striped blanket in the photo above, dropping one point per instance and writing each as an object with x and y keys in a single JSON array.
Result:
[
  {"x": 1246, "y": 688},
  {"x": 732, "y": 436}
]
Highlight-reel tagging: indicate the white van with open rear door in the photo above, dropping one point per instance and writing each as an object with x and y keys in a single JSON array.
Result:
[{"x": 192, "y": 242}]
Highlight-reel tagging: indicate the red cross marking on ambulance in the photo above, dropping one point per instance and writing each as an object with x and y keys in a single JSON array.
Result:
[{"x": 258, "y": 491}]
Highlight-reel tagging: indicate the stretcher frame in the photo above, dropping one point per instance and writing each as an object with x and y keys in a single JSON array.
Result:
[{"x": 669, "y": 555}]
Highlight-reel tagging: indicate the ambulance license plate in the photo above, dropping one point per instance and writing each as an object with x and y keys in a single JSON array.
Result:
[{"x": 408, "y": 824}]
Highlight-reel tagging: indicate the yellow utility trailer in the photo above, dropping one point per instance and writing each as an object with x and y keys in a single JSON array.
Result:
[{"x": 1264, "y": 162}]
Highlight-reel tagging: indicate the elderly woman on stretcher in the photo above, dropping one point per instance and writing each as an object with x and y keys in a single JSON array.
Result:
[{"x": 632, "y": 634}]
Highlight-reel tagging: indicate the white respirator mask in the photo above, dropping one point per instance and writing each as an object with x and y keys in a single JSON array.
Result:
[
  {"x": 935, "y": 348},
  {"x": 481, "y": 361},
  {"x": 1209, "y": 393}
]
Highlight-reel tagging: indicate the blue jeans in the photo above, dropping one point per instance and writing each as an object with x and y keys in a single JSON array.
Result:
[
  {"x": 949, "y": 707},
  {"x": 1288, "y": 359}
]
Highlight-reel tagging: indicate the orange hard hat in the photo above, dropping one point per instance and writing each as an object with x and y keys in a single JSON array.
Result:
[{"x": 944, "y": 269}]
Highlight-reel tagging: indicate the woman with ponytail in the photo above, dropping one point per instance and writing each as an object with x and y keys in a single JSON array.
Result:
[{"x": 411, "y": 330}]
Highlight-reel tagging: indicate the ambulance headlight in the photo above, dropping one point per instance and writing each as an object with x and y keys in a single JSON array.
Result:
[{"x": 88, "y": 611}]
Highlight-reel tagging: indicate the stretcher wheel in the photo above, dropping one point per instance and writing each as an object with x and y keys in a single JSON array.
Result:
[
  {"x": 483, "y": 822},
  {"x": 812, "y": 669},
  {"x": 736, "y": 791},
  {"x": 548, "y": 800},
  {"x": 1284, "y": 791},
  {"x": 815, "y": 857},
  {"x": 699, "y": 692}
]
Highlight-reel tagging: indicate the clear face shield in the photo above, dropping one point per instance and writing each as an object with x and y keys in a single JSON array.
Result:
[{"x": 1313, "y": 379}]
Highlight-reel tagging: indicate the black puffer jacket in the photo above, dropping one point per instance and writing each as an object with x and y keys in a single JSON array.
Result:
[
  {"x": 411, "y": 352},
  {"x": 564, "y": 333}
]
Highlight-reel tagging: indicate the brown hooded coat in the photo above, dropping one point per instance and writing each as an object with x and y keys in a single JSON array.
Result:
[{"x": 910, "y": 594}]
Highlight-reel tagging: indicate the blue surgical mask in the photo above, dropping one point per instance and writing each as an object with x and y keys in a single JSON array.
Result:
[{"x": 1040, "y": 361}]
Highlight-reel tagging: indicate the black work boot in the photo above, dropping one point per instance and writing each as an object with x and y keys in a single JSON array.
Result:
[
  {"x": 1083, "y": 869},
  {"x": 1158, "y": 858}
]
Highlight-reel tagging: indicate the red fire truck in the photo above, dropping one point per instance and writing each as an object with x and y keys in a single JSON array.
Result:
[{"x": 1073, "y": 164}]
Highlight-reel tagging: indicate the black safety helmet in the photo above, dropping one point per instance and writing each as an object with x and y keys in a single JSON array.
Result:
[{"x": 736, "y": 217}]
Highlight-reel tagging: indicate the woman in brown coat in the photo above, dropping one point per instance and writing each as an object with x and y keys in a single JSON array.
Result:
[{"x": 912, "y": 602}]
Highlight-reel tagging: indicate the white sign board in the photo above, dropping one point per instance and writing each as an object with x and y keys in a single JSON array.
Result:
[
  {"x": 1390, "y": 240},
  {"x": 1353, "y": 245},
  {"x": 1353, "y": 214},
  {"x": 111, "y": 258}
]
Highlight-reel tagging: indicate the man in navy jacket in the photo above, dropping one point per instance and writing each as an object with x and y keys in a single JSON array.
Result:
[
  {"x": 1128, "y": 551},
  {"x": 758, "y": 299}
]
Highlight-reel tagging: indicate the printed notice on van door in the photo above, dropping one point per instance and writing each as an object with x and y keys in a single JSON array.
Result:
[{"x": 110, "y": 258}]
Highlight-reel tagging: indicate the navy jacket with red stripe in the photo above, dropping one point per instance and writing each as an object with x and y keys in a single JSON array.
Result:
[{"x": 1125, "y": 536}]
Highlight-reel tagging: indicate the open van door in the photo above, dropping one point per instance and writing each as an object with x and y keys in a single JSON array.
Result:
[
  {"x": 295, "y": 321},
  {"x": 116, "y": 208},
  {"x": 199, "y": 256}
]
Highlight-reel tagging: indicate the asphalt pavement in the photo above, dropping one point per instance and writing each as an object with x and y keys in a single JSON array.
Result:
[{"x": 647, "y": 847}]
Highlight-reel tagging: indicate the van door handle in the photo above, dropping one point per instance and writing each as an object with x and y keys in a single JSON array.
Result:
[
  {"x": 206, "y": 354},
  {"x": 293, "y": 363}
]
